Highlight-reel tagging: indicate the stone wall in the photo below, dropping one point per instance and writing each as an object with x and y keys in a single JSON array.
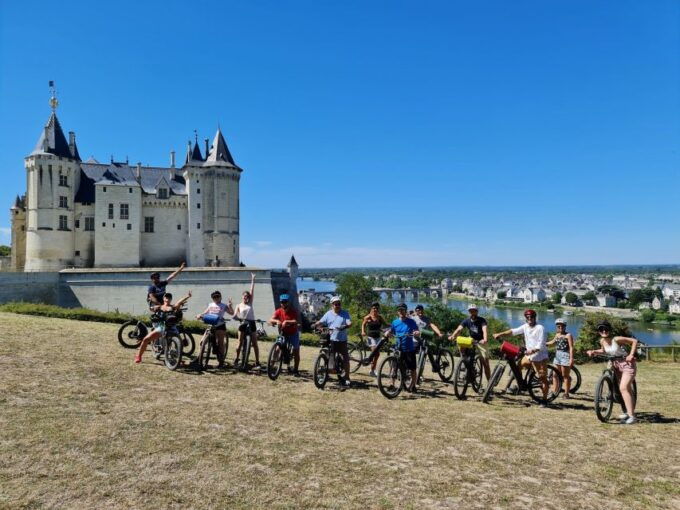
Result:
[{"x": 32, "y": 287}]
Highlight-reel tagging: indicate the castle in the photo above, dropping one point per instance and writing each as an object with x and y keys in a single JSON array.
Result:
[{"x": 89, "y": 214}]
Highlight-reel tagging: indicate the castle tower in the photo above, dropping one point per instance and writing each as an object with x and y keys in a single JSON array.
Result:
[
  {"x": 18, "y": 223},
  {"x": 53, "y": 176},
  {"x": 213, "y": 202}
]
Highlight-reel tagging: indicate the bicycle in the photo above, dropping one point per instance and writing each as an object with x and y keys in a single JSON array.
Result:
[
  {"x": 242, "y": 362},
  {"x": 510, "y": 356},
  {"x": 468, "y": 372},
  {"x": 321, "y": 363},
  {"x": 209, "y": 344},
  {"x": 607, "y": 390},
  {"x": 168, "y": 345},
  {"x": 441, "y": 359},
  {"x": 132, "y": 332},
  {"x": 357, "y": 352},
  {"x": 393, "y": 375},
  {"x": 281, "y": 352}
]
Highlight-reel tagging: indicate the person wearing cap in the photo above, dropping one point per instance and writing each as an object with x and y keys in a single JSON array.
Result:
[
  {"x": 338, "y": 322},
  {"x": 287, "y": 318},
  {"x": 479, "y": 332},
  {"x": 218, "y": 308},
  {"x": 424, "y": 322},
  {"x": 404, "y": 328},
  {"x": 564, "y": 353},
  {"x": 536, "y": 354},
  {"x": 154, "y": 294},
  {"x": 625, "y": 367}
]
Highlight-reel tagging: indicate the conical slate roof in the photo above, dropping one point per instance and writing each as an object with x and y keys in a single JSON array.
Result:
[
  {"x": 52, "y": 140},
  {"x": 219, "y": 152},
  {"x": 292, "y": 262},
  {"x": 196, "y": 153}
]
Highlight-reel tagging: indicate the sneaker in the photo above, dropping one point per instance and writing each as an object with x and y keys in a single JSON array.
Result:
[
  {"x": 257, "y": 366},
  {"x": 296, "y": 373},
  {"x": 372, "y": 373},
  {"x": 623, "y": 417},
  {"x": 630, "y": 420},
  {"x": 543, "y": 404},
  {"x": 346, "y": 383},
  {"x": 290, "y": 370}
]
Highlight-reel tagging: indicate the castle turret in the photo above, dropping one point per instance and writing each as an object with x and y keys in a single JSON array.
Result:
[
  {"x": 53, "y": 175},
  {"x": 18, "y": 226}
]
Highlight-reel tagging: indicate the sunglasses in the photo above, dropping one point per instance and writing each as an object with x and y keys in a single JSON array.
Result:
[{"x": 603, "y": 330}]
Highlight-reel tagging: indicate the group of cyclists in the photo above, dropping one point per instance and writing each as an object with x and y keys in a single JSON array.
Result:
[{"x": 406, "y": 328}]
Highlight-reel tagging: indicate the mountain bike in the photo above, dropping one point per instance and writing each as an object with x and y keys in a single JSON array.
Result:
[
  {"x": 468, "y": 372},
  {"x": 281, "y": 352},
  {"x": 441, "y": 359},
  {"x": 357, "y": 352},
  {"x": 322, "y": 361},
  {"x": 575, "y": 375},
  {"x": 208, "y": 345},
  {"x": 168, "y": 345},
  {"x": 132, "y": 332},
  {"x": 241, "y": 363},
  {"x": 393, "y": 375},
  {"x": 529, "y": 382},
  {"x": 607, "y": 390}
]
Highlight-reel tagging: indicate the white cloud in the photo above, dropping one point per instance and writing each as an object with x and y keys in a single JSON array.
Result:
[
  {"x": 5, "y": 235},
  {"x": 262, "y": 244}
]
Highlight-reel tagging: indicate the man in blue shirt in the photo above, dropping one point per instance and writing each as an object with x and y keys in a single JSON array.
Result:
[
  {"x": 156, "y": 291},
  {"x": 338, "y": 321},
  {"x": 405, "y": 328}
]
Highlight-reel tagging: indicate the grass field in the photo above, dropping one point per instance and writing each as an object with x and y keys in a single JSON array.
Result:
[{"x": 82, "y": 426}]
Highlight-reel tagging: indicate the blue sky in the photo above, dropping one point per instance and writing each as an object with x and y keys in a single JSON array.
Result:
[{"x": 378, "y": 133}]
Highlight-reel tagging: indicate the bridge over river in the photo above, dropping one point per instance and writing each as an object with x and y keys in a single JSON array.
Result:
[{"x": 408, "y": 294}]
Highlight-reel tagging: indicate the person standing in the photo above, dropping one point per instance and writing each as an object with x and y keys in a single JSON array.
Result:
[
  {"x": 338, "y": 321},
  {"x": 218, "y": 308},
  {"x": 371, "y": 328},
  {"x": 404, "y": 328},
  {"x": 287, "y": 318},
  {"x": 564, "y": 353},
  {"x": 479, "y": 332},
  {"x": 536, "y": 354},
  {"x": 245, "y": 313}
]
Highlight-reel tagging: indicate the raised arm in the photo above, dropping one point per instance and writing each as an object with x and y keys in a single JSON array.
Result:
[
  {"x": 179, "y": 303},
  {"x": 179, "y": 270},
  {"x": 252, "y": 287}
]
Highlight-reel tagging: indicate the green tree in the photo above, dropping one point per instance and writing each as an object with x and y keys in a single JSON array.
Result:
[
  {"x": 501, "y": 294},
  {"x": 5, "y": 251},
  {"x": 589, "y": 296},
  {"x": 557, "y": 298},
  {"x": 647, "y": 315},
  {"x": 589, "y": 338},
  {"x": 570, "y": 298},
  {"x": 357, "y": 296}
]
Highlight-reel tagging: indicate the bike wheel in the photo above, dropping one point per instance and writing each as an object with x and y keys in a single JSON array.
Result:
[
  {"x": 460, "y": 379},
  {"x": 321, "y": 370},
  {"x": 131, "y": 333},
  {"x": 604, "y": 398},
  {"x": 390, "y": 377},
  {"x": 188, "y": 343},
  {"x": 356, "y": 357},
  {"x": 204, "y": 355},
  {"x": 173, "y": 352},
  {"x": 493, "y": 382},
  {"x": 245, "y": 354},
  {"x": 446, "y": 365},
  {"x": 575, "y": 379},
  {"x": 534, "y": 384},
  {"x": 275, "y": 361},
  {"x": 477, "y": 378}
]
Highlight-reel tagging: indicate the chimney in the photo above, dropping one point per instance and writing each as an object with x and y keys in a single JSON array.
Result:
[
  {"x": 138, "y": 171},
  {"x": 172, "y": 159},
  {"x": 207, "y": 148}
]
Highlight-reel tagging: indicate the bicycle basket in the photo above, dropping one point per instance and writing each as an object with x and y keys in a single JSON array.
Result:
[
  {"x": 212, "y": 319},
  {"x": 464, "y": 341}
]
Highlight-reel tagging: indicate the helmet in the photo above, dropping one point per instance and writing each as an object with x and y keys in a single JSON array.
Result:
[
  {"x": 560, "y": 321},
  {"x": 604, "y": 325},
  {"x": 530, "y": 312},
  {"x": 284, "y": 297}
]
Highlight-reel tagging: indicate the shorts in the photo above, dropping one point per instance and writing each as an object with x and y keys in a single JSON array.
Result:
[
  {"x": 247, "y": 327},
  {"x": 561, "y": 358},
  {"x": 294, "y": 340},
  {"x": 540, "y": 367},
  {"x": 626, "y": 367},
  {"x": 482, "y": 350},
  {"x": 159, "y": 327},
  {"x": 409, "y": 359},
  {"x": 372, "y": 342},
  {"x": 340, "y": 348}
]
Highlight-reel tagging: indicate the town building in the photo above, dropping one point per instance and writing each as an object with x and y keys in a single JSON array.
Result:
[{"x": 89, "y": 214}]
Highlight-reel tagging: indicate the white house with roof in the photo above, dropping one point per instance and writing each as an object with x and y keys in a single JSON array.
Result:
[{"x": 89, "y": 214}]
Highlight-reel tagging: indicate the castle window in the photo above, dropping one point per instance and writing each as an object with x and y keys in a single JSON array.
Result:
[
  {"x": 104, "y": 189},
  {"x": 89, "y": 223},
  {"x": 63, "y": 202},
  {"x": 103, "y": 223},
  {"x": 198, "y": 206},
  {"x": 110, "y": 211},
  {"x": 124, "y": 212},
  {"x": 162, "y": 193},
  {"x": 129, "y": 190},
  {"x": 198, "y": 191},
  {"x": 77, "y": 224},
  {"x": 49, "y": 168},
  {"x": 198, "y": 225},
  {"x": 63, "y": 180},
  {"x": 179, "y": 227},
  {"x": 77, "y": 253},
  {"x": 63, "y": 223},
  {"x": 148, "y": 224},
  {"x": 129, "y": 226}
]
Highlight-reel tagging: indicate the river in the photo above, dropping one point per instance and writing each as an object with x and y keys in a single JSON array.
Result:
[{"x": 513, "y": 316}]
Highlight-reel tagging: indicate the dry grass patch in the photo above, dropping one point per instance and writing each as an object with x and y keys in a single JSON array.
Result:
[{"x": 83, "y": 427}]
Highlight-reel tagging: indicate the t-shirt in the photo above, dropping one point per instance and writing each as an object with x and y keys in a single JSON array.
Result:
[
  {"x": 336, "y": 320},
  {"x": 475, "y": 327},
  {"x": 422, "y": 322},
  {"x": 534, "y": 338},
  {"x": 290, "y": 314},
  {"x": 403, "y": 329},
  {"x": 218, "y": 309},
  {"x": 158, "y": 290},
  {"x": 244, "y": 312}
]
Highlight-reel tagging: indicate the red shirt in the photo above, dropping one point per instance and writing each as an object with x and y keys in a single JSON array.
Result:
[{"x": 286, "y": 315}]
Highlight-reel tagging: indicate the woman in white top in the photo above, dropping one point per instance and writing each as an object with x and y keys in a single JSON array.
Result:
[
  {"x": 217, "y": 307},
  {"x": 244, "y": 311},
  {"x": 625, "y": 369}
]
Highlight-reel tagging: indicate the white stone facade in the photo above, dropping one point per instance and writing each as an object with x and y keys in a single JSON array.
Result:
[{"x": 89, "y": 214}]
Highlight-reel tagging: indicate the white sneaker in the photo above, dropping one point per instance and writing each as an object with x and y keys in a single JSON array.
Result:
[
  {"x": 372, "y": 373},
  {"x": 623, "y": 417},
  {"x": 630, "y": 420},
  {"x": 346, "y": 383}
]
